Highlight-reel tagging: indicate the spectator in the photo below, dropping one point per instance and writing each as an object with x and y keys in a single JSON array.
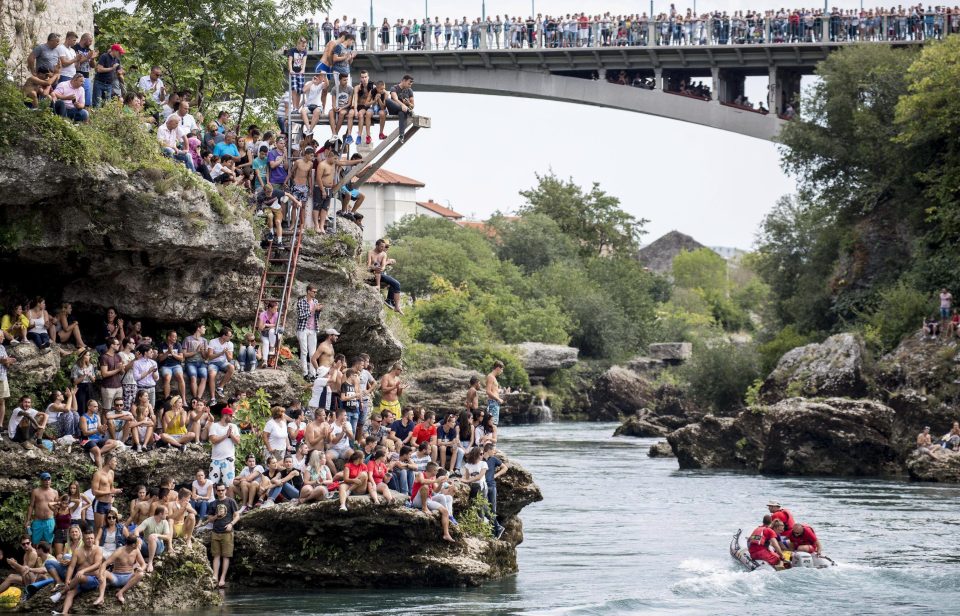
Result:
[
  {"x": 68, "y": 57},
  {"x": 111, "y": 373},
  {"x": 946, "y": 302},
  {"x": 224, "y": 436},
  {"x": 267, "y": 324},
  {"x": 377, "y": 263},
  {"x": 145, "y": 372},
  {"x": 45, "y": 58},
  {"x": 401, "y": 102},
  {"x": 225, "y": 514},
  {"x": 108, "y": 69},
  {"x": 67, "y": 328},
  {"x": 175, "y": 422},
  {"x": 174, "y": 141},
  {"x": 227, "y": 149},
  {"x": 40, "y": 323},
  {"x": 152, "y": 85},
  {"x": 15, "y": 324},
  {"x": 249, "y": 354},
  {"x": 931, "y": 326},
  {"x": 296, "y": 66},
  {"x": 308, "y": 309},
  {"x": 85, "y": 53},
  {"x": 171, "y": 364},
  {"x": 220, "y": 361},
  {"x": 83, "y": 376},
  {"x": 5, "y": 362}
]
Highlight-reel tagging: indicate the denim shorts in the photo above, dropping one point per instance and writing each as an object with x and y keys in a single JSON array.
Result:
[
  {"x": 217, "y": 366},
  {"x": 171, "y": 370},
  {"x": 196, "y": 370}
]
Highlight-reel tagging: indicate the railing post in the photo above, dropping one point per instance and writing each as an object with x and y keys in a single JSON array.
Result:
[
  {"x": 652, "y": 32},
  {"x": 825, "y": 29},
  {"x": 766, "y": 31}
]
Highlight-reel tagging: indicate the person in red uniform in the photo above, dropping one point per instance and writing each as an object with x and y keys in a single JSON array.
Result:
[
  {"x": 779, "y": 513},
  {"x": 765, "y": 535},
  {"x": 803, "y": 539}
]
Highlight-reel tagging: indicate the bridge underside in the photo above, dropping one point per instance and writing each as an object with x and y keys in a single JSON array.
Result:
[{"x": 547, "y": 86}]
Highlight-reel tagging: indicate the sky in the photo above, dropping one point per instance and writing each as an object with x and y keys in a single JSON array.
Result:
[{"x": 482, "y": 150}]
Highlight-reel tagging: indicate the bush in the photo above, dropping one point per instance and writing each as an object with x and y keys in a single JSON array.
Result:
[
  {"x": 786, "y": 339},
  {"x": 720, "y": 373},
  {"x": 448, "y": 317},
  {"x": 900, "y": 310}
]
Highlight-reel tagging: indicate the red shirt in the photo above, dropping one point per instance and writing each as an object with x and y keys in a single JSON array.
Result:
[
  {"x": 422, "y": 434},
  {"x": 354, "y": 470},
  {"x": 416, "y": 488},
  {"x": 377, "y": 470},
  {"x": 761, "y": 536},
  {"x": 807, "y": 538},
  {"x": 784, "y": 516}
]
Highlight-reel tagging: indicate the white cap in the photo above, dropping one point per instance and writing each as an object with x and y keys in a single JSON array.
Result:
[{"x": 332, "y": 332}]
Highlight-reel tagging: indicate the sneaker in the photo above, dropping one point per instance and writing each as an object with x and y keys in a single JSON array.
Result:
[
  {"x": 348, "y": 140},
  {"x": 343, "y": 508},
  {"x": 499, "y": 531},
  {"x": 307, "y": 132},
  {"x": 402, "y": 139},
  {"x": 15, "y": 342},
  {"x": 220, "y": 389},
  {"x": 268, "y": 503},
  {"x": 369, "y": 140},
  {"x": 55, "y": 597},
  {"x": 382, "y": 136},
  {"x": 242, "y": 509},
  {"x": 453, "y": 520}
]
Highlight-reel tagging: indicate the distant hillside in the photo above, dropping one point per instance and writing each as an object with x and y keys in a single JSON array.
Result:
[{"x": 658, "y": 256}]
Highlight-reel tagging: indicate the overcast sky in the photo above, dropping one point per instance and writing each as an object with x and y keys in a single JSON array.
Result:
[{"x": 482, "y": 150}]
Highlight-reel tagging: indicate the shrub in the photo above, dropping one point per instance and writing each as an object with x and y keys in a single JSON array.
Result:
[
  {"x": 480, "y": 357},
  {"x": 899, "y": 311},
  {"x": 720, "y": 373},
  {"x": 786, "y": 339}
]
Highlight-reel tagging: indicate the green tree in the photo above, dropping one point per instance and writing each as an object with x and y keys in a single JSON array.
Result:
[
  {"x": 700, "y": 269},
  {"x": 719, "y": 374},
  {"x": 532, "y": 242},
  {"x": 594, "y": 219},
  {"x": 449, "y": 316}
]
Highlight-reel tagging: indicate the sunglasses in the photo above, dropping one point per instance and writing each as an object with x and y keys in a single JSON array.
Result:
[
  {"x": 111, "y": 517},
  {"x": 25, "y": 544}
]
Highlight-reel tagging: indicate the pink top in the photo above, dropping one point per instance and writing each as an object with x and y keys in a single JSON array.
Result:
[{"x": 270, "y": 320}]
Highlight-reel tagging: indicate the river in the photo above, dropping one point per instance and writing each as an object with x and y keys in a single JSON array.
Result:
[{"x": 621, "y": 533}]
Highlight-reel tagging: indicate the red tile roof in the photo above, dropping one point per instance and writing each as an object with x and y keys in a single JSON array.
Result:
[
  {"x": 438, "y": 209},
  {"x": 382, "y": 176}
]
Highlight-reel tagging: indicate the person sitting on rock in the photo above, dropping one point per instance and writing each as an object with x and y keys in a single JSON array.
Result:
[
  {"x": 425, "y": 496},
  {"x": 925, "y": 441},
  {"x": 803, "y": 539},
  {"x": 354, "y": 479},
  {"x": 931, "y": 326},
  {"x": 30, "y": 569},
  {"x": 83, "y": 570},
  {"x": 377, "y": 468},
  {"x": 762, "y": 538},
  {"x": 449, "y": 452},
  {"x": 284, "y": 480},
  {"x": 340, "y": 437},
  {"x": 318, "y": 482},
  {"x": 157, "y": 536},
  {"x": 175, "y": 422},
  {"x": 123, "y": 569},
  {"x": 402, "y": 470},
  {"x": 953, "y": 325},
  {"x": 27, "y": 424},
  {"x": 951, "y": 440},
  {"x": 93, "y": 434},
  {"x": 249, "y": 483},
  {"x": 183, "y": 516}
]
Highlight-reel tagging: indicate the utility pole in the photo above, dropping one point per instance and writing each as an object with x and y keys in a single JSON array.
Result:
[
  {"x": 371, "y": 13},
  {"x": 483, "y": 9}
]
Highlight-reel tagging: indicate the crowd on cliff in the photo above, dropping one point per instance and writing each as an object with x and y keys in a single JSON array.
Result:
[
  {"x": 131, "y": 391},
  {"x": 672, "y": 27}
]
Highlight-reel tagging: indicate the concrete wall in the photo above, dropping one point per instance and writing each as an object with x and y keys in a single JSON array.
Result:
[
  {"x": 383, "y": 206},
  {"x": 24, "y": 23}
]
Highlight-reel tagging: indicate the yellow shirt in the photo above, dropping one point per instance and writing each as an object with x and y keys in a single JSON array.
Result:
[{"x": 9, "y": 320}]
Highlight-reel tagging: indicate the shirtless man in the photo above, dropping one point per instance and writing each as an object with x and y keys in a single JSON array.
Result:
[
  {"x": 38, "y": 86},
  {"x": 300, "y": 180},
  {"x": 317, "y": 433},
  {"x": 493, "y": 391},
  {"x": 324, "y": 183},
  {"x": 140, "y": 507},
  {"x": 473, "y": 394},
  {"x": 83, "y": 570},
  {"x": 390, "y": 389},
  {"x": 322, "y": 361},
  {"x": 103, "y": 490},
  {"x": 128, "y": 567},
  {"x": 363, "y": 104},
  {"x": 184, "y": 517},
  {"x": 40, "y": 523},
  {"x": 30, "y": 570},
  {"x": 925, "y": 442},
  {"x": 335, "y": 379},
  {"x": 325, "y": 66}
]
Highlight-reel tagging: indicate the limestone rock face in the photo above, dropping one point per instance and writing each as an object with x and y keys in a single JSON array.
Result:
[
  {"x": 442, "y": 389},
  {"x": 836, "y": 436},
  {"x": 942, "y": 466},
  {"x": 317, "y": 546},
  {"x": 831, "y": 368},
  {"x": 542, "y": 359},
  {"x": 670, "y": 352},
  {"x": 181, "y": 580},
  {"x": 638, "y": 425},
  {"x": 619, "y": 391},
  {"x": 661, "y": 449},
  {"x": 32, "y": 369},
  {"x": 283, "y": 385},
  {"x": 659, "y": 254}
]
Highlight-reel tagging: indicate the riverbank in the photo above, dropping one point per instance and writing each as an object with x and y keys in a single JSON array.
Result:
[{"x": 649, "y": 538}]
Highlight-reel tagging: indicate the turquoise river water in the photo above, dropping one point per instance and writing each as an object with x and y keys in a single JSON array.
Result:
[{"x": 621, "y": 533}]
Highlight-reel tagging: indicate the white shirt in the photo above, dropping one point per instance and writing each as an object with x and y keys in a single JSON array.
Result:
[
  {"x": 475, "y": 470},
  {"x": 313, "y": 93},
  {"x": 90, "y": 497},
  {"x": 69, "y": 54},
  {"x": 247, "y": 471},
  {"x": 187, "y": 122},
  {"x": 168, "y": 138},
  {"x": 15, "y": 419},
  {"x": 225, "y": 448},
  {"x": 219, "y": 349},
  {"x": 277, "y": 434},
  {"x": 147, "y": 85},
  {"x": 166, "y": 111}
]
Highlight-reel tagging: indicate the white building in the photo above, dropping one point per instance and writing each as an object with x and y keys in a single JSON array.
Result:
[{"x": 391, "y": 196}]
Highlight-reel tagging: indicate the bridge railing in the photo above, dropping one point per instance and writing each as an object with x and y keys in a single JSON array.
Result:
[{"x": 644, "y": 32}]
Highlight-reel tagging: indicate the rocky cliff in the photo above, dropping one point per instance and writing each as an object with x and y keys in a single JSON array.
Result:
[
  {"x": 659, "y": 254},
  {"x": 163, "y": 251}
]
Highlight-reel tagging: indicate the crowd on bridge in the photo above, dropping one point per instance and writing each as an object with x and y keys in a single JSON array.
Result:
[
  {"x": 672, "y": 27},
  {"x": 139, "y": 391}
]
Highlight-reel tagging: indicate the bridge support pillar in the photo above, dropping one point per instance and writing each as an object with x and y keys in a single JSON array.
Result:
[
  {"x": 715, "y": 87},
  {"x": 784, "y": 88},
  {"x": 658, "y": 78},
  {"x": 731, "y": 86}
]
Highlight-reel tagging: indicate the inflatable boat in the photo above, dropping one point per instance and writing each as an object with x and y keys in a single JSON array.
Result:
[{"x": 801, "y": 560}]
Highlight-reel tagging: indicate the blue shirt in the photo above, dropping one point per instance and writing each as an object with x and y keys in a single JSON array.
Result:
[{"x": 222, "y": 149}]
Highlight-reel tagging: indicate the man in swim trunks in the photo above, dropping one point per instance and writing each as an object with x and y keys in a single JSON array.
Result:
[
  {"x": 493, "y": 391},
  {"x": 40, "y": 522},
  {"x": 325, "y": 180},
  {"x": 83, "y": 570},
  {"x": 764, "y": 536},
  {"x": 140, "y": 507},
  {"x": 300, "y": 179},
  {"x": 322, "y": 362},
  {"x": 103, "y": 490},
  {"x": 127, "y": 569},
  {"x": 325, "y": 66},
  {"x": 184, "y": 517},
  {"x": 390, "y": 389}
]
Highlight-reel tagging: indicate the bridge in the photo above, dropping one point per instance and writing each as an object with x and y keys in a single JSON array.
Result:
[{"x": 578, "y": 75}]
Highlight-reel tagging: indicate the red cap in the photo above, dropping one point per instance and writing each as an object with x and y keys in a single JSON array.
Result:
[
  {"x": 117, "y": 47},
  {"x": 226, "y": 411}
]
